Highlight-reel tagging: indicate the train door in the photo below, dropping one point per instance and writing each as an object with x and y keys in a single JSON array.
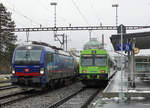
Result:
[{"x": 49, "y": 63}]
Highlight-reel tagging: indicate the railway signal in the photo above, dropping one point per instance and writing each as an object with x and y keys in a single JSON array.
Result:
[{"x": 123, "y": 29}]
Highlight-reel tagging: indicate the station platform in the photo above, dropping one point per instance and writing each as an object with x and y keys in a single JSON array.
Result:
[
  {"x": 135, "y": 97},
  {"x": 141, "y": 89}
]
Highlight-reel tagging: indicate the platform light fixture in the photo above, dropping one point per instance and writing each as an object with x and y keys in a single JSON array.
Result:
[
  {"x": 54, "y": 4},
  {"x": 116, "y": 6}
]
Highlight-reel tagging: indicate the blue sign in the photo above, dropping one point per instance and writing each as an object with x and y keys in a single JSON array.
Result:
[{"x": 126, "y": 47}]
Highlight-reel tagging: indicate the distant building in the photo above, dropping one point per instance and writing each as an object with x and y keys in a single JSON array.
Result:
[
  {"x": 142, "y": 63},
  {"x": 93, "y": 44}
]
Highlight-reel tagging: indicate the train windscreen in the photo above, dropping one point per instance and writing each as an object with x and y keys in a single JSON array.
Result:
[
  {"x": 87, "y": 60},
  {"x": 94, "y": 60},
  {"x": 28, "y": 56},
  {"x": 100, "y": 60}
]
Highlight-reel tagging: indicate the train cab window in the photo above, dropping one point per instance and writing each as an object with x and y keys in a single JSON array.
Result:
[
  {"x": 100, "y": 60},
  {"x": 25, "y": 56},
  {"x": 87, "y": 60}
]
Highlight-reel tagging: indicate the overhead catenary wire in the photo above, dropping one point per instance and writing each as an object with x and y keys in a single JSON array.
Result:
[
  {"x": 19, "y": 13},
  {"x": 93, "y": 10},
  {"x": 26, "y": 17},
  {"x": 17, "y": 20},
  {"x": 82, "y": 15},
  {"x": 42, "y": 5}
]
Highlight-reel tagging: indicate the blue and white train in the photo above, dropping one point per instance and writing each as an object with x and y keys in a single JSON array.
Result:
[{"x": 40, "y": 66}]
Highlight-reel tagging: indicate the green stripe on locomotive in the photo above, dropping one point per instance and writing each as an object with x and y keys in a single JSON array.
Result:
[{"x": 98, "y": 69}]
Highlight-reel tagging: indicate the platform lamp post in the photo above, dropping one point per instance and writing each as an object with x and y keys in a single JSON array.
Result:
[
  {"x": 116, "y": 6},
  {"x": 121, "y": 94},
  {"x": 54, "y": 4}
]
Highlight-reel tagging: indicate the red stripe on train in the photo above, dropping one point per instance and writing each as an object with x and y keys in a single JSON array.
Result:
[{"x": 28, "y": 74}]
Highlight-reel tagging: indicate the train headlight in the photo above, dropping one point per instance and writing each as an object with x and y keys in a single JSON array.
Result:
[
  {"x": 13, "y": 71},
  {"x": 42, "y": 71}
]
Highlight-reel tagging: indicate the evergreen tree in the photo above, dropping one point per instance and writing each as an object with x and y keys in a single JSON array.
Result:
[{"x": 7, "y": 38}]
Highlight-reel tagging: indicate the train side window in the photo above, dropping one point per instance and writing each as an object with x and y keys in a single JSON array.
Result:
[{"x": 49, "y": 57}]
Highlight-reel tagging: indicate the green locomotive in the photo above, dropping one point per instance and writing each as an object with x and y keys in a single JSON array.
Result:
[{"x": 96, "y": 67}]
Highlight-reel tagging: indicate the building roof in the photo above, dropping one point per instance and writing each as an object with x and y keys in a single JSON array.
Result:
[
  {"x": 142, "y": 39},
  {"x": 93, "y": 44}
]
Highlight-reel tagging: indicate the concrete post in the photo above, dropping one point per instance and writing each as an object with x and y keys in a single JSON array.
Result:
[
  {"x": 133, "y": 65},
  {"x": 129, "y": 68}
]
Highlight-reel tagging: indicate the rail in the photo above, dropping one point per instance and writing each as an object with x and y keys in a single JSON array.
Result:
[
  {"x": 62, "y": 101},
  {"x": 4, "y": 100},
  {"x": 85, "y": 105},
  {"x": 7, "y": 87}
]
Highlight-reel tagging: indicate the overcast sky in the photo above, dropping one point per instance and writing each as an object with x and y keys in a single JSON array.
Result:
[{"x": 32, "y": 13}]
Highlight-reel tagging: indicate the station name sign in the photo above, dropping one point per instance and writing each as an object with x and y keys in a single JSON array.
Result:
[{"x": 126, "y": 47}]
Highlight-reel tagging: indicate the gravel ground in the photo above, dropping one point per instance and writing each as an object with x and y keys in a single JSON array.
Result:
[
  {"x": 78, "y": 100},
  {"x": 4, "y": 84},
  {"x": 45, "y": 100},
  {"x": 5, "y": 75},
  {"x": 9, "y": 91},
  {"x": 97, "y": 98}
]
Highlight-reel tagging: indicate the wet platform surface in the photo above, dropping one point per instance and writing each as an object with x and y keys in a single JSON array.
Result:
[
  {"x": 141, "y": 89},
  {"x": 139, "y": 96}
]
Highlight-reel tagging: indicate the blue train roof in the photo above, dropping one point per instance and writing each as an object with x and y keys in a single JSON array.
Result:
[
  {"x": 38, "y": 47},
  {"x": 33, "y": 46}
]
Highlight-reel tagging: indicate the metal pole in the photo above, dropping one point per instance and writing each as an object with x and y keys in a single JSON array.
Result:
[
  {"x": 0, "y": 33},
  {"x": 133, "y": 64},
  {"x": 63, "y": 41},
  {"x": 121, "y": 95},
  {"x": 116, "y": 6},
  {"x": 129, "y": 68},
  {"x": 55, "y": 17},
  {"x": 55, "y": 31},
  {"x": 54, "y": 4},
  {"x": 103, "y": 41},
  {"x": 89, "y": 34},
  {"x": 27, "y": 35},
  {"x": 117, "y": 15},
  {"x": 66, "y": 42}
]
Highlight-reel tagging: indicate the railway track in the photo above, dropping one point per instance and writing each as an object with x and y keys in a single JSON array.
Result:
[
  {"x": 90, "y": 95},
  {"x": 90, "y": 99},
  {"x": 7, "y": 87},
  {"x": 16, "y": 96},
  {"x": 7, "y": 81},
  {"x": 75, "y": 96},
  {"x": 20, "y": 95},
  {"x": 62, "y": 101}
]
